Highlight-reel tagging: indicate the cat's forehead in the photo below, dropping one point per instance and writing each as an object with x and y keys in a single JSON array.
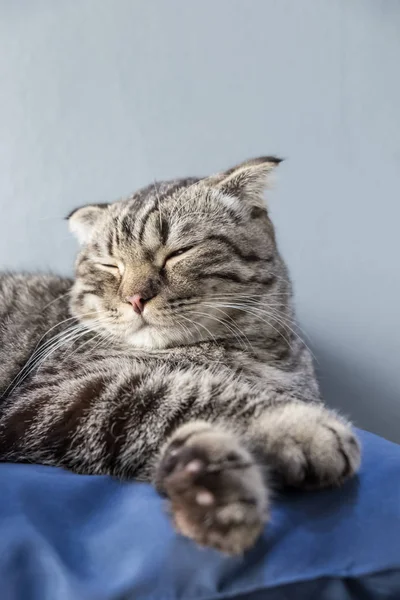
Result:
[{"x": 169, "y": 212}]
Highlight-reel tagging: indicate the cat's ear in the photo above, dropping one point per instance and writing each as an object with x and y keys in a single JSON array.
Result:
[
  {"x": 248, "y": 180},
  {"x": 83, "y": 220}
]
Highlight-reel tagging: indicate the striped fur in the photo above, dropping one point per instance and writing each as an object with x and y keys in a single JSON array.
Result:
[{"x": 213, "y": 371}]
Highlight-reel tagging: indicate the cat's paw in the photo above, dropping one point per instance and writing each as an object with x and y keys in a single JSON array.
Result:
[
  {"x": 309, "y": 445},
  {"x": 218, "y": 496}
]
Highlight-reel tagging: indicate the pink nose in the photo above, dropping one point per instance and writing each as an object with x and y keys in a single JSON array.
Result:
[{"x": 137, "y": 302}]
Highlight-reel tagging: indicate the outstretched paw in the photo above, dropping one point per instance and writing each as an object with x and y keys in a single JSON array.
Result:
[
  {"x": 309, "y": 445},
  {"x": 217, "y": 495}
]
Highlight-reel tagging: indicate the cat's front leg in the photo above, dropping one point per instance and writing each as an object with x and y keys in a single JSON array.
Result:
[
  {"x": 308, "y": 445},
  {"x": 217, "y": 493}
]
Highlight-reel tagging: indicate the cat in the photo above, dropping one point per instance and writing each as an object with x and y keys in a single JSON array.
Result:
[{"x": 173, "y": 357}]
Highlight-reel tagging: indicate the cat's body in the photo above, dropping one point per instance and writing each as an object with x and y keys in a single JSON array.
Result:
[{"x": 178, "y": 331}]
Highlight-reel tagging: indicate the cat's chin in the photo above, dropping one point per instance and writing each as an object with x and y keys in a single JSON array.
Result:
[
  {"x": 156, "y": 338},
  {"x": 147, "y": 337}
]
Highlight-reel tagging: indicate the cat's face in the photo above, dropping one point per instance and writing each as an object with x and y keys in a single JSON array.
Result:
[{"x": 179, "y": 261}]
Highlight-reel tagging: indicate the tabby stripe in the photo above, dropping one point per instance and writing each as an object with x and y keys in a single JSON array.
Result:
[
  {"x": 110, "y": 243},
  {"x": 250, "y": 257},
  {"x": 16, "y": 425},
  {"x": 115, "y": 239},
  {"x": 219, "y": 275},
  {"x": 179, "y": 416},
  {"x": 164, "y": 231},
  {"x": 117, "y": 236},
  {"x": 150, "y": 211},
  {"x": 155, "y": 206},
  {"x": 269, "y": 280},
  {"x": 237, "y": 219},
  {"x": 115, "y": 428},
  {"x": 234, "y": 277},
  {"x": 147, "y": 400},
  {"x": 126, "y": 226},
  {"x": 60, "y": 435}
]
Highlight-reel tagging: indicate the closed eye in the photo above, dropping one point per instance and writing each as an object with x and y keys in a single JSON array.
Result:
[
  {"x": 178, "y": 252},
  {"x": 110, "y": 267}
]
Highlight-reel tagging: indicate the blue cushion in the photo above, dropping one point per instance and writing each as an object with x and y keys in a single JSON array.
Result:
[{"x": 70, "y": 537}]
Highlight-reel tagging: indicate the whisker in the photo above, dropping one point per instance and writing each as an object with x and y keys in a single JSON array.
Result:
[
  {"x": 196, "y": 324},
  {"x": 238, "y": 307},
  {"x": 42, "y": 352},
  {"x": 184, "y": 328},
  {"x": 279, "y": 318},
  {"x": 228, "y": 326},
  {"x": 100, "y": 335},
  {"x": 35, "y": 360},
  {"x": 56, "y": 300},
  {"x": 71, "y": 337},
  {"x": 284, "y": 321},
  {"x": 209, "y": 316},
  {"x": 34, "y": 356},
  {"x": 233, "y": 324},
  {"x": 200, "y": 325},
  {"x": 66, "y": 320}
]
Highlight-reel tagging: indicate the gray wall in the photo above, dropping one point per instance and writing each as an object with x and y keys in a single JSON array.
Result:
[{"x": 98, "y": 97}]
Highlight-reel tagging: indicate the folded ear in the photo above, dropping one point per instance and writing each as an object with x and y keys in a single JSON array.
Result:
[
  {"x": 248, "y": 180},
  {"x": 83, "y": 220}
]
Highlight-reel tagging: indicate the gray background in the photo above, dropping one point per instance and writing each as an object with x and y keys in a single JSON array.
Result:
[{"x": 98, "y": 97}]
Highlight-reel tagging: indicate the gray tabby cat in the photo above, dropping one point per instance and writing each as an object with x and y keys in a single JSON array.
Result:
[{"x": 172, "y": 357}]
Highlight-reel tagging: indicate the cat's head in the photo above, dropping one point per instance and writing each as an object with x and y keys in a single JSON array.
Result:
[{"x": 181, "y": 261}]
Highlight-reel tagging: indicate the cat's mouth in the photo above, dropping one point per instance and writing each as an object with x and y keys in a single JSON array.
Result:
[
  {"x": 152, "y": 327},
  {"x": 141, "y": 323}
]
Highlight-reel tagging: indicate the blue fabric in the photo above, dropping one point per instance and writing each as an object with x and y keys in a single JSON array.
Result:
[{"x": 69, "y": 537}]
